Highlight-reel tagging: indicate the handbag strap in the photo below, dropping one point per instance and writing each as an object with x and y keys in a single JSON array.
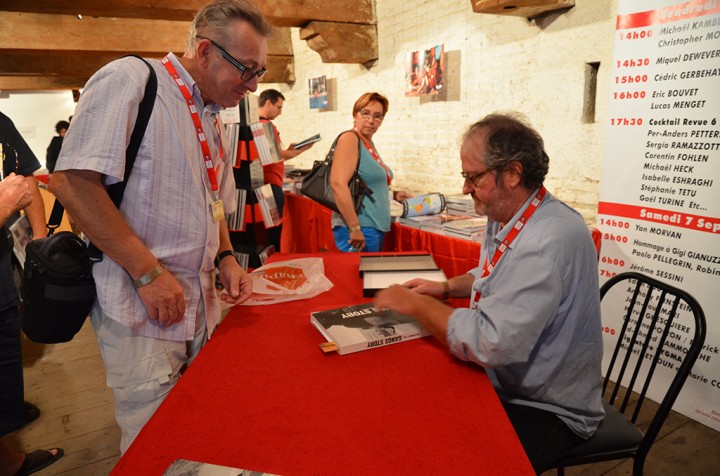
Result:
[
  {"x": 364, "y": 189},
  {"x": 117, "y": 190},
  {"x": 331, "y": 152}
]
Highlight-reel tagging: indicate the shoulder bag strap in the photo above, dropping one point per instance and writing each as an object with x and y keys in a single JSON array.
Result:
[
  {"x": 116, "y": 191},
  {"x": 331, "y": 152}
]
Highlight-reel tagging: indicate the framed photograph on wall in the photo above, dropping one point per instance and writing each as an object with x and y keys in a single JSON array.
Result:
[
  {"x": 318, "y": 92},
  {"x": 424, "y": 71}
]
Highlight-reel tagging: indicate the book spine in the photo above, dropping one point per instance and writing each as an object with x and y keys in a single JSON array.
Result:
[{"x": 349, "y": 349}]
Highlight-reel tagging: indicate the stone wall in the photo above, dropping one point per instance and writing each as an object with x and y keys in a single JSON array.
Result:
[{"x": 493, "y": 63}]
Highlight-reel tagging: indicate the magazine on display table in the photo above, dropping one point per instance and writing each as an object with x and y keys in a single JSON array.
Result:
[{"x": 184, "y": 467}]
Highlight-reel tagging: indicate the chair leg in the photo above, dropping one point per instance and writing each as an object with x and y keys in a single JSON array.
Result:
[
  {"x": 638, "y": 465},
  {"x": 561, "y": 471}
]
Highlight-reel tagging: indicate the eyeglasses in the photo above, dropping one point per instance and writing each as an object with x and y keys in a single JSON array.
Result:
[
  {"x": 367, "y": 115},
  {"x": 475, "y": 177},
  {"x": 247, "y": 73}
]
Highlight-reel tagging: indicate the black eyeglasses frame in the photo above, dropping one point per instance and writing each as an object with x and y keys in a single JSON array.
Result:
[{"x": 245, "y": 71}]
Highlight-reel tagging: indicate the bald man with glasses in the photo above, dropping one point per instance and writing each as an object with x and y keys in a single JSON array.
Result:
[{"x": 156, "y": 299}]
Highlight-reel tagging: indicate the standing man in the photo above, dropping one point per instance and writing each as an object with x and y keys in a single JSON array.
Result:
[
  {"x": 534, "y": 319},
  {"x": 270, "y": 106},
  {"x": 18, "y": 191},
  {"x": 18, "y": 158},
  {"x": 156, "y": 300}
]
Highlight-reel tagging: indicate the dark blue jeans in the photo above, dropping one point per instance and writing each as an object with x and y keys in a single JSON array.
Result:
[
  {"x": 11, "y": 374},
  {"x": 373, "y": 238}
]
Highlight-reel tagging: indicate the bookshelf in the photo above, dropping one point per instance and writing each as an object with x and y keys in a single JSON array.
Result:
[{"x": 250, "y": 226}]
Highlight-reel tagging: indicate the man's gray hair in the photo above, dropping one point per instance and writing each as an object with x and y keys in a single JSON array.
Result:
[
  {"x": 508, "y": 137},
  {"x": 213, "y": 20}
]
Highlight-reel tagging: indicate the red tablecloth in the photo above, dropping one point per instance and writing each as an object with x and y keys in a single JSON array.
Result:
[{"x": 262, "y": 396}]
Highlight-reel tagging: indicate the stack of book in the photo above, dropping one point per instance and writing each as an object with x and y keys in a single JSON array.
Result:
[
  {"x": 468, "y": 228},
  {"x": 381, "y": 272},
  {"x": 434, "y": 223},
  {"x": 365, "y": 326},
  {"x": 459, "y": 205}
]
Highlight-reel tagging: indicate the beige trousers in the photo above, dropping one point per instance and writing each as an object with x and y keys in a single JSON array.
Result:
[{"x": 141, "y": 370}]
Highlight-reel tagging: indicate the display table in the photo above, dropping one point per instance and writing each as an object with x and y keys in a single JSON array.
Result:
[
  {"x": 262, "y": 396},
  {"x": 306, "y": 229}
]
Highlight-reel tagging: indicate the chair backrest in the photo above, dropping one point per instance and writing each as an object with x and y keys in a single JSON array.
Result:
[{"x": 650, "y": 314}]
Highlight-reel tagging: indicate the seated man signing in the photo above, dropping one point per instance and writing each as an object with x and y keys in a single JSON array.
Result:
[{"x": 534, "y": 318}]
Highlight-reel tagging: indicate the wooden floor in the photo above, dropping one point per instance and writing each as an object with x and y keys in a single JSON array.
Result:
[{"x": 67, "y": 382}]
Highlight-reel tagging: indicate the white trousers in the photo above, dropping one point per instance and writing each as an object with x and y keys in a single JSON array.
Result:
[{"x": 141, "y": 370}]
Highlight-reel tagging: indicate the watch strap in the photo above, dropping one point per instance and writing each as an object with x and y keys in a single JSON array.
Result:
[{"x": 224, "y": 254}]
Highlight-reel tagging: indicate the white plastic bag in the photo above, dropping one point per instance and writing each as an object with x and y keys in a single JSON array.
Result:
[{"x": 289, "y": 280}]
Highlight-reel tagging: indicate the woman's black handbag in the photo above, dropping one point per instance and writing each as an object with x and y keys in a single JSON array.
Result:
[
  {"x": 58, "y": 288},
  {"x": 316, "y": 185}
]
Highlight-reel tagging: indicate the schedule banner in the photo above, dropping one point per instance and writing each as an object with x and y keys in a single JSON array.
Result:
[{"x": 659, "y": 209}]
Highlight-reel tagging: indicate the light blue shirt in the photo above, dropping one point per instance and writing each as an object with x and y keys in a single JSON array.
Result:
[
  {"x": 375, "y": 212},
  {"x": 537, "y": 328}
]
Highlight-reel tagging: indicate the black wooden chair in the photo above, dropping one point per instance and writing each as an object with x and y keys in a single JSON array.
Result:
[{"x": 651, "y": 307}]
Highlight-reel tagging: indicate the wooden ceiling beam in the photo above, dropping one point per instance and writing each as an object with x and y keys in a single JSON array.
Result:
[
  {"x": 45, "y": 37},
  {"x": 279, "y": 12},
  {"x": 40, "y": 83},
  {"x": 76, "y": 69},
  {"x": 50, "y": 33},
  {"x": 342, "y": 42}
]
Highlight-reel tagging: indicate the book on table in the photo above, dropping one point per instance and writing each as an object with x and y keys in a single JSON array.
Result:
[
  {"x": 374, "y": 281},
  {"x": 397, "y": 262},
  {"x": 382, "y": 271},
  {"x": 439, "y": 219},
  {"x": 467, "y": 226},
  {"x": 363, "y": 326},
  {"x": 184, "y": 467}
]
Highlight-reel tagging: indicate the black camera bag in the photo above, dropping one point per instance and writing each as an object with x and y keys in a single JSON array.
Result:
[{"x": 58, "y": 288}]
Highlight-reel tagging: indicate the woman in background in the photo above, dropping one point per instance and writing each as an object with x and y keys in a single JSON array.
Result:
[{"x": 365, "y": 230}]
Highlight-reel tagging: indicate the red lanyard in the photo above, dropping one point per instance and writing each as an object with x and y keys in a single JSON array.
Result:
[
  {"x": 519, "y": 225},
  {"x": 374, "y": 154},
  {"x": 207, "y": 156}
]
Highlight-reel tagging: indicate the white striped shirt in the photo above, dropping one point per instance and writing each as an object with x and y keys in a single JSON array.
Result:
[{"x": 168, "y": 195}]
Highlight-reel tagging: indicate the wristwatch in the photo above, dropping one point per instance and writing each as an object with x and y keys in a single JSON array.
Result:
[{"x": 222, "y": 255}]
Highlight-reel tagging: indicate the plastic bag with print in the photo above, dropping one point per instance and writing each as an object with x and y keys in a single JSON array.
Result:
[{"x": 289, "y": 280}]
